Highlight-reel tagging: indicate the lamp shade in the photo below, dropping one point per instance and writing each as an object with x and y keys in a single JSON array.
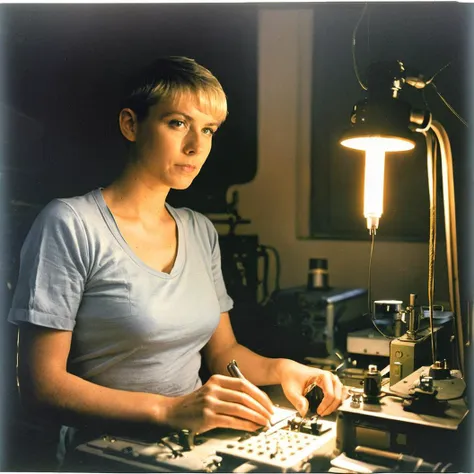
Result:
[{"x": 381, "y": 124}]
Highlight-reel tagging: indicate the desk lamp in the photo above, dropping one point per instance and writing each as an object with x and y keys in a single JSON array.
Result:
[{"x": 383, "y": 123}]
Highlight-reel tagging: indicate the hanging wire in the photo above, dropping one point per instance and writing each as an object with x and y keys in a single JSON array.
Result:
[
  {"x": 431, "y": 156},
  {"x": 369, "y": 283},
  {"x": 464, "y": 122},
  {"x": 369, "y": 290},
  {"x": 430, "y": 80},
  {"x": 354, "y": 60},
  {"x": 277, "y": 265},
  {"x": 368, "y": 35},
  {"x": 265, "y": 251}
]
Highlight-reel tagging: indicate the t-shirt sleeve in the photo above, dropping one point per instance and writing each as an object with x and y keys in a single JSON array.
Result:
[
  {"x": 225, "y": 301},
  {"x": 53, "y": 269}
]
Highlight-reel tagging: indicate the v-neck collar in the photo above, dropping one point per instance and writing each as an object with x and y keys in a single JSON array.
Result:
[{"x": 114, "y": 229}]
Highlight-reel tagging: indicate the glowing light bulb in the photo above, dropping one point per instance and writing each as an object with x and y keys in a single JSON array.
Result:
[
  {"x": 375, "y": 147},
  {"x": 373, "y": 186}
]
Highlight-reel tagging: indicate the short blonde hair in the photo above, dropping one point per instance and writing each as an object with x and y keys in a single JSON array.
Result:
[{"x": 171, "y": 78}]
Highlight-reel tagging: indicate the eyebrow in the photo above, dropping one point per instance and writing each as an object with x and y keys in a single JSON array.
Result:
[{"x": 187, "y": 117}]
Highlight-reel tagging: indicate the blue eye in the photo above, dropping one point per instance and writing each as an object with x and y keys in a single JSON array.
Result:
[{"x": 209, "y": 131}]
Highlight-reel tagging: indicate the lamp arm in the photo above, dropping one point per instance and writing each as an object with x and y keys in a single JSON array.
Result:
[{"x": 451, "y": 235}]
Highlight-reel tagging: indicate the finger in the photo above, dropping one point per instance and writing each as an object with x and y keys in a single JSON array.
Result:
[
  {"x": 238, "y": 410},
  {"x": 302, "y": 405},
  {"x": 326, "y": 383},
  {"x": 244, "y": 385},
  {"x": 242, "y": 398},
  {"x": 292, "y": 390},
  {"x": 338, "y": 389}
]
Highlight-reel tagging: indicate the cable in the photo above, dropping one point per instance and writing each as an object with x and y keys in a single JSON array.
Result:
[
  {"x": 463, "y": 121},
  {"x": 430, "y": 80},
  {"x": 369, "y": 291},
  {"x": 354, "y": 61},
  {"x": 277, "y": 264},
  {"x": 368, "y": 35},
  {"x": 431, "y": 152},
  {"x": 369, "y": 283}
]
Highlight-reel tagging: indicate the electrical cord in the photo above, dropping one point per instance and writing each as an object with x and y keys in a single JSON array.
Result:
[
  {"x": 267, "y": 248},
  {"x": 430, "y": 80},
  {"x": 431, "y": 148},
  {"x": 354, "y": 60},
  {"x": 369, "y": 291},
  {"x": 462, "y": 120},
  {"x": 420, "y": 83},
  {"x": 369, "y": 283}
]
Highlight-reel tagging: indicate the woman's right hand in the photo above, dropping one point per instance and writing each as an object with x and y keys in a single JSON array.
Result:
[{"x": 223, "y": 402}]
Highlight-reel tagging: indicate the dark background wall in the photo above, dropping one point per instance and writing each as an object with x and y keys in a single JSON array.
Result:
[
  {"x": 63, "y": 69},
  {"x": 65, "y": 66}
]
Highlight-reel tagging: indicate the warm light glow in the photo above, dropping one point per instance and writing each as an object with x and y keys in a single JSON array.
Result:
[
  {"x": 375, "y": 147},
  {"x": 382, "y": 143},
  {"x": 373, "y": 186}
]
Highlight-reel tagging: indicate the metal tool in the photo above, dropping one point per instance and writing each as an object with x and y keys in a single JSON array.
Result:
[{"x": 234, "y": 370}]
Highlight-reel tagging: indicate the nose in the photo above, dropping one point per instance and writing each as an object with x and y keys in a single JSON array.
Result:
[{"x": 193, "y": 143}]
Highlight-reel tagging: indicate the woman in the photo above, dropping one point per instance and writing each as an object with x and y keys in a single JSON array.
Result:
[{"x": 119, "y": 293}]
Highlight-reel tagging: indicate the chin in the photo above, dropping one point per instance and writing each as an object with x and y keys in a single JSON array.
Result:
[{"x": 182, "y": 185}]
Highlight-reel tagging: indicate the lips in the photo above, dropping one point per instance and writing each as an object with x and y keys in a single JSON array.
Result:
[{"x": 187, "y": 168}]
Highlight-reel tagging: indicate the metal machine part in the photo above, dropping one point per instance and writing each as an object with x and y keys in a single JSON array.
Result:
[
  {"x": 413, "y": 318},
  {"x": 451, "y": 388},
  {"x": 398, "y": 461},
  {"x": 312, "y": 425},
  {"x": 420, "y": 345},
  {"x": 440, "y": 370},
  {"x": 407, "y": 354},
  {"x": 389, "y": 316},
  {"x": 388, "y": 426},
  {"x": 368, "y": 342},
  {"x": 318, "y": 274},
  {"x": 372, "y": 384},
  {"x": 314, "y": 323},
  {"x": 292, "y": 444}
]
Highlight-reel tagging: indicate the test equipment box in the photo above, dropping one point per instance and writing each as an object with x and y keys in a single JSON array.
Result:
[{"x": 315, "y": 322}]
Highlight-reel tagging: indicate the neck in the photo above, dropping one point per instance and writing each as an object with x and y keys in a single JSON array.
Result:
[{"x": 134, "y": 195}]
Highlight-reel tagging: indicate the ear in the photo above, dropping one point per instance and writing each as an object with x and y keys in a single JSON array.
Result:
[{"x": 128, "y": 124}]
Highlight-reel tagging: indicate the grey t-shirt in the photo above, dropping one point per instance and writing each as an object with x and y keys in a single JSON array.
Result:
[{"x": 134, "y": 328}]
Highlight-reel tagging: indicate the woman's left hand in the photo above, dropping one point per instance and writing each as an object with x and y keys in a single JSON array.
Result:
[{"x": 296, "y": 379}]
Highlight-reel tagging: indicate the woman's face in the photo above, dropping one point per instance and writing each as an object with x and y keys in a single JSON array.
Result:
[{"x": 173, "y": 142}]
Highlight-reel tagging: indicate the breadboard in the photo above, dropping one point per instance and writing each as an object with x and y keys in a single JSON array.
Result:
[{"x": 282, "y": 449}]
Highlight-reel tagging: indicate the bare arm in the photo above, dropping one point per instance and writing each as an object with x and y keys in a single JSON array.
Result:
[
  {"x": 223, "y": 347},
  {"x": 46, "y": 385},
  {"x": 293, "y": 377}
]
